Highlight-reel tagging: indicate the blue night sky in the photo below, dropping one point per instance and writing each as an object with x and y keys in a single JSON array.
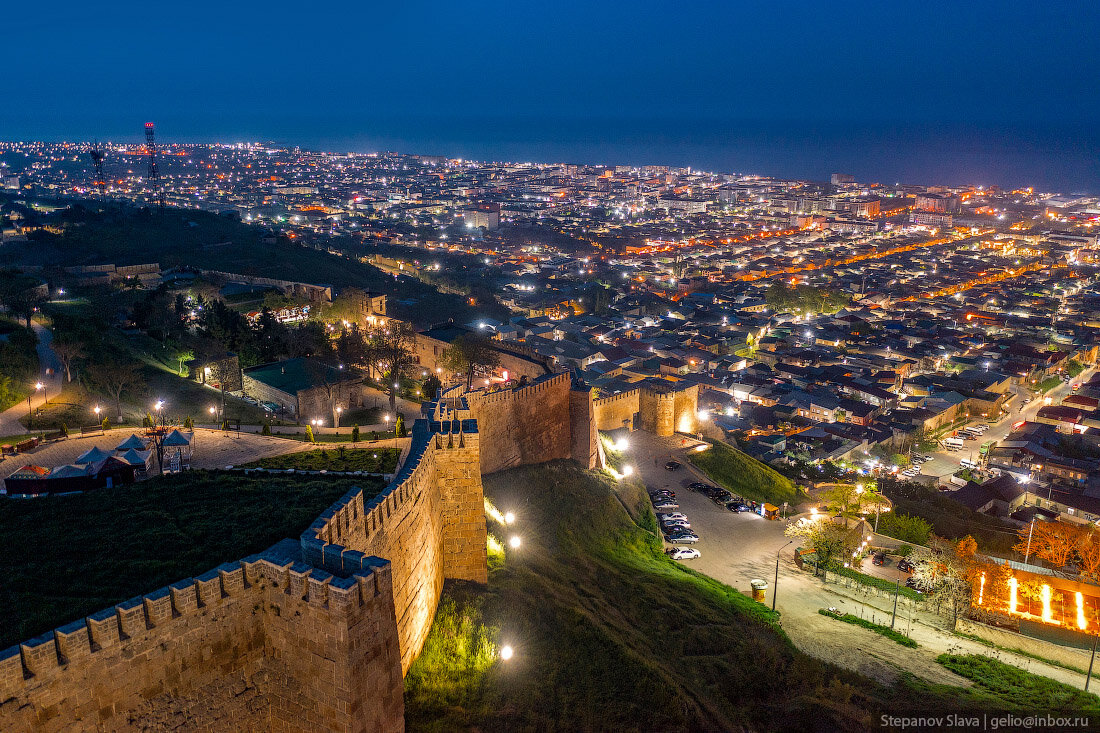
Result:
[{"x": 327, "y": 72}]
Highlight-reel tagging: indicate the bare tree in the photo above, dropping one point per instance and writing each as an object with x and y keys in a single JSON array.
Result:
[
  {"x": 68, "y": 352},
  {"x": 468, "y": 353},
  {"x": 395, "y": 352},
  {"x": 116, "y": 378}
]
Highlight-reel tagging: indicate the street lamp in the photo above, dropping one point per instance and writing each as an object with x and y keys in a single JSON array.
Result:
[
  {"x": 213, "y": 413},
  {"x": 158, "y": 407},
  {"x": 96, "y": 411},
  {"x": 775, "y": 586},
  {"x": 338, "y": 411}
]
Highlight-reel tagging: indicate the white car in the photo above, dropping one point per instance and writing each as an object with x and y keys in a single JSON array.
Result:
[
  {"x": 671, "y": 515},
  {"x": 683, "y": 553}
]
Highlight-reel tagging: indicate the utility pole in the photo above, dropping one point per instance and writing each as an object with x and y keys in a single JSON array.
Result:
[
  {"x": 775, "y": 585},
  {"x": 897, "y": 591}
]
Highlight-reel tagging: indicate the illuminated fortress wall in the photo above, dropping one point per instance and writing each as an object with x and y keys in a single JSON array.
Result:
[{"x": 315, "y": 634}]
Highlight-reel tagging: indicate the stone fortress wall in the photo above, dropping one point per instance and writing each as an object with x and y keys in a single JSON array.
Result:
[
  {"x": 266, "y": 643},
  {"x": 660, "y": 408},
  {"x": 313, "y": 634},
  {"x": 429, "y": 523},
  {"x": 549, "y": 418}
]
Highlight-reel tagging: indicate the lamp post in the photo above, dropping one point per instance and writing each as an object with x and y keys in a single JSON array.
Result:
[
  {"x": 775, "y": 585},
  {"x": 30, "y": 415},
  {"x": 213, "y": 413},
  {"x": 96, "y": 410},
  {"x": 338, "y": 411}
]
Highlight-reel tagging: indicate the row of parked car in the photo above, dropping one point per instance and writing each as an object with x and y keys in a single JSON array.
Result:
[
  {"x": 723, "y": 498},
  {"x": 674, "y": 525}
]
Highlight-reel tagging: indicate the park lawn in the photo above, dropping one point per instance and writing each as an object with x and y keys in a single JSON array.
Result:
[
  {"x": 372, "y": 460},
  {"x": 745, "y": 476},
  {"x": 95, "y": 549}
]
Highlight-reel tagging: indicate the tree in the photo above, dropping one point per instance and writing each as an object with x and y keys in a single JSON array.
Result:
[
  {"x": 469, "y": 352},
  {"x": 116, "y": 378},
  {"x": 946, "y": 574},
  {"x": 184, "y": 355},
  {"x": 1054, "y": 542},
  {"x": 913, "y": 530},
  {"x": 351, "y": 346},
  {"x": 829, "y": 539},
  {"x": 21, "y": 294},
  {"x": 309, "y": 434},
  {"x": 67, "y": 353},
  {"x": 399, "y": 430},
  {"x": 395, "y": 352},
  {"x": 432, "y": 386},
  {"x": 355, "y": 433}
]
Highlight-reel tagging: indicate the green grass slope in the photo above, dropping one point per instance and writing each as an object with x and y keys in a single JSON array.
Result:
[
  {"x": 70, "y": 556},
  {"x": 609, "y": 634},
  {"x": 744, "y": 475}
]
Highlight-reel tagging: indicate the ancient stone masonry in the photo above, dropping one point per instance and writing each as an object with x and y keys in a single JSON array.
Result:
[
  {"x": 539, "y": 422},
  {"x": 266, "y": 643},
  {"x": 658, "y": 406},
  {"x": 429, "y": 523},
  {"x": 315, "y": 634}
]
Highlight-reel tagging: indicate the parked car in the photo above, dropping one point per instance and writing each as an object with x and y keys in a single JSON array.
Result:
[
  {"x": 665, "y": 505},
  {"x": 699, "y": 486},
  {"x": 879, "y": 558},
  {"x": 672, "y": 465},
  {"x": 684, "y": 538},
  {"x": 905, "y": 566},
  {"x": 666, "y": 490},
  {"x": 738, "y": 506},
  {"x": 911, "y": 582},
  {"x": 658, "y": 495},
  {"x": 671, "y": 515},
  {"x": 670, "y": 523},
  {"x": 683, "y": 553}
]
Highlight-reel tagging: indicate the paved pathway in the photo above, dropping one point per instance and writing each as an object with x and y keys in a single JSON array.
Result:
[
  {"x": 212, "y": 449},
  {"x": 47, "y": 360}
]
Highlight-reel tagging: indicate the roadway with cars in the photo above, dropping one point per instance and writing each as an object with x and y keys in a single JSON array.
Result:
[
  {"x": 944, "y": 462},
  {"x": 737, "y": 548}
]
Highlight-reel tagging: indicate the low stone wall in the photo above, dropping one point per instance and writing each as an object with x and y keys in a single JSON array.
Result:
[{"x": 1010, "y": 640}]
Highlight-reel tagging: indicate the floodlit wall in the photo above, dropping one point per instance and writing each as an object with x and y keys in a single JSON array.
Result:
[
  {"x": 429, "y": 523},
  {"x": 265, "y": 643}
]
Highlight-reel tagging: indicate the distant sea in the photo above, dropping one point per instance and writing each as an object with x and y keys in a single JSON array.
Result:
[{"x": 1055, "y": 158}]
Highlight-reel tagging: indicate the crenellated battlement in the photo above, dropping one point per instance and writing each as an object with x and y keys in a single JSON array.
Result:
[{"x": 157, "y": 612}]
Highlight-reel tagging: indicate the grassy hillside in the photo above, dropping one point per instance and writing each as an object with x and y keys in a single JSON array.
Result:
[
  {"x": 608, "y": 633},
  {"x": 82, "y": 553},
  {"x": 744, "y": 475}
]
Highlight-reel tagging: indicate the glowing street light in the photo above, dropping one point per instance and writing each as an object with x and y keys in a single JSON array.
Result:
[
  {"x": 622, "y": 444},
  {"x": 96, "y": 410},
  {"x": 514, "y": 543},
  {"x": 506, "y": 652},
  {"x": 628, "y": 470},
  {"x": 338, "y": 411},
  {"x": 509, "y": 518}
]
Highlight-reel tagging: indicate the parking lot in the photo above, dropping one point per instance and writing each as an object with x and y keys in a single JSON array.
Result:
[{"x": 738, "y": 548}]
